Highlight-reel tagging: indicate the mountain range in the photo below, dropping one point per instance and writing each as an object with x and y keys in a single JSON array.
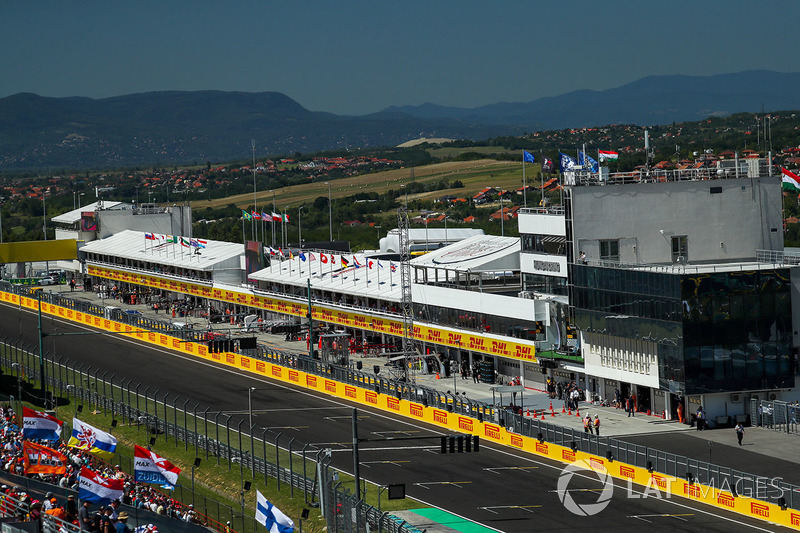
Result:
[{"x": 192, "y": 127}]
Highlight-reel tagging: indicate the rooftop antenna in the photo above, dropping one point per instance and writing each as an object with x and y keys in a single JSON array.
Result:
[{"x": 648, "y": 152}]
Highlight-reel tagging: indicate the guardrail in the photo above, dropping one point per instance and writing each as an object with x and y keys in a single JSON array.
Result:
[{"x": 776, "y": 415}]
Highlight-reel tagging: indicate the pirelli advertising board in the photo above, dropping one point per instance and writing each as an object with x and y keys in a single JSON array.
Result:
[{"x": 488, "y": 344}]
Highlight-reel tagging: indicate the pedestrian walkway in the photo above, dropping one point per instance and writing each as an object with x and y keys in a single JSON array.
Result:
[{"x": 764, "y": 451}]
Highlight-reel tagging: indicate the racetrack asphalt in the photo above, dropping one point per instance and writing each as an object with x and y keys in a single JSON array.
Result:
[{"x": 497, "y": 488}]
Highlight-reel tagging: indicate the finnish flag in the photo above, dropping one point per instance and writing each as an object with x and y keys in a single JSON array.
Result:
[{"x": 271, "y": 517}]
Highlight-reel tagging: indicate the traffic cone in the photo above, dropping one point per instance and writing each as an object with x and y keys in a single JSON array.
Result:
[
  {"x": 551, "y": 406},
  {"x": 437, "y": 376},
  {"x": 542, "y": 414},
  {"x": 528, "y": 413},
  {"x": 577, "y": 412},
  {"x": 563, "y": 409},
  {"x": 552, "y": 413},
  {"x": 570, "y": 411}
]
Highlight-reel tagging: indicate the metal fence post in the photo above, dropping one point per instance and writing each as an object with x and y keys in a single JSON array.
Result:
[
  {"x": 278, "y": 460},
  {"x": 264, "y": 443},
  {"x": 291, "y": 471},
  {"x": 228, "y": 439}
]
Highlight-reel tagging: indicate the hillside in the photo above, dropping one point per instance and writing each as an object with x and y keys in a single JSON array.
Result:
[{"x": 190, "y": 128}]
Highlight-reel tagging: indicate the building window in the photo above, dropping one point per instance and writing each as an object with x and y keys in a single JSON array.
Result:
[
  {"x": 609, "y": 251},
  {"x": 680, "y": 249}
]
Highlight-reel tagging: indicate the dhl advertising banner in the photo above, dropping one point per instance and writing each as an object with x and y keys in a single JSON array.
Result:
[
  {"x": 667, "y": 486},
  {"x": 499, "y": 346}
]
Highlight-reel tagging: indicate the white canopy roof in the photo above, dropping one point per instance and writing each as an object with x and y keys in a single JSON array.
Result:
[
  {"x": 481, "y": 253},
  {"x": 71, "y": 217},
  {"x": 373, "y": 278},
  {"x": 131, "y": 244}
]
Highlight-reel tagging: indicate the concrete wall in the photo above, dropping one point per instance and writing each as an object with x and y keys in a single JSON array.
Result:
[{"x": 725, "y": 226}]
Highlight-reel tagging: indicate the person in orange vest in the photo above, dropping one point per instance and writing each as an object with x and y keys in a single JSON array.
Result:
[
  {"x": 680, "y": 413},
  {"x": 596, "y": 425},
  {"x": 587, "y": 424}
]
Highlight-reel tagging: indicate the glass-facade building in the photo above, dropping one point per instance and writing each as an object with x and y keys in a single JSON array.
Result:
[{"x": 715, "y": 332}]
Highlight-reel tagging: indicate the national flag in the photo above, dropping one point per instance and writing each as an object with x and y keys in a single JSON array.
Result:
[
  {"x": 370, "y": 262},
  {"x": 302, "y": 256},
  {"x": 280, "y": 251},
  {"x": 246, "y": 215},
  {"x": 95, "y": 488},
  {"x": 587, "y": 161},
  {"x": 345, "y": 262},
  {"x": 380, "y": 265},
  {"x": 790, "y": 181},
  {"x": 356, "y": 263},
  {"x": 527, "y": 157},
  {"x": 276, "y": 217},
  {"x": 392, "y": 267},
  {"x": 38, "y": 425},
  {"x": 567, "y": 163},
  {"x": 256, "y": 215},
  {"x": 607, "y": 155},
  {"x": 311, "y": 256},
  {"x": 271, "y": 517},
  {"x": 323, "y": 258},
  {"x": 265, "y": 217},
  {"x": 272, "y": 251},
  {"x": 286, "y": 218},
  {"x": 547, "y": 165},
  {"x": 291, "y": 255},
  {"x": 171, "y": 238},
  {"x": 185, "y": 242},
  {"x": 333, "y": 259},
  {"x": 40, "y": 459},
  {"x": 86, "y": 437},
  {"x": 201, "y": 243},
  {"x": 149, "y": 236},
  {"x": 151, "y": 468}
]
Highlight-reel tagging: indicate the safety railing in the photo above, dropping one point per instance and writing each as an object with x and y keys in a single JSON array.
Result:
[{"x": 776, "y": 415}]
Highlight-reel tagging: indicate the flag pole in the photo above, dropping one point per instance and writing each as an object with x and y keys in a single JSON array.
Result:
[{"x": 524, "y": 182}]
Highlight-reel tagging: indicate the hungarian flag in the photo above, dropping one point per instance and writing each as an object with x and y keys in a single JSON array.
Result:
[
  {"x": 790, "y": 181},
  {"x": 607, "y": 155}
]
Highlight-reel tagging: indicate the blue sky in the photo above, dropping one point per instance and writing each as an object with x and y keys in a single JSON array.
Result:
[{"x": 358, "y": 57}]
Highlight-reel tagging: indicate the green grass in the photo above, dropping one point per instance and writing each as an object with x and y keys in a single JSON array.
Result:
[{"x": 215, "y": 478}]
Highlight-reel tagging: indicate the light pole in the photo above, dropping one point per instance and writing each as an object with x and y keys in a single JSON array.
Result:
[
  {"x": 330, "y": 210},
  {"x": 299, "y": 229},
  {"x": 250, "y": 405},
  {"x": 378, "y": 234}
]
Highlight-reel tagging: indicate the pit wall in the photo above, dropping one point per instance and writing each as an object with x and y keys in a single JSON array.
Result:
[{"x": 668, "y": 486}]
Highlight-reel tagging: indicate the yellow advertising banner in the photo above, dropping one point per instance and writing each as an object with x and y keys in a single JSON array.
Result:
[
  {"x": 21, "y": 252},
  {"x": 477, "y": 342}
]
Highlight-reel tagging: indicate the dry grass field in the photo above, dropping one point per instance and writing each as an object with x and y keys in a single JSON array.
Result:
[{"x": 475, "y": 175}]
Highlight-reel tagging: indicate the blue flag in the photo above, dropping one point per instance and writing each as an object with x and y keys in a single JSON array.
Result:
[
  {"x": 586, "y": 160},
  {"x": 567, "y": 163},
  {"x": 527, "y": 157},
  {"x": 302, "y": 256}
]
